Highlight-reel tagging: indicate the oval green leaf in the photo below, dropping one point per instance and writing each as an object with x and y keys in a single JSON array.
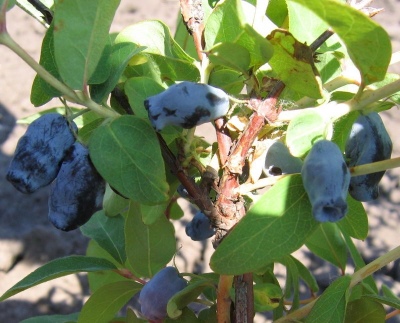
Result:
[
  {"x": 80, "y": 36},
  {"x": 127, "y": 154},
  {"x": 148, "y": 247}
]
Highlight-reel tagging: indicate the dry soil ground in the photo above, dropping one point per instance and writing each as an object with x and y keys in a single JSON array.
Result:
[{"x": 27, "y": 240}]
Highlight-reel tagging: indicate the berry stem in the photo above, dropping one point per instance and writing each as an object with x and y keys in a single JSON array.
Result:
[{"x": 375, "y": 167}]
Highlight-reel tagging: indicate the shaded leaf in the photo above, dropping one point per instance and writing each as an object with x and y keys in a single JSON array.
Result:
[
  {"x": 331, "y": 305},
  {"x": 355, "y": 223},
  {"x": 327, "y": 242},
  {"x": 365, "y": 310},
  {"x": 187, "y": 295},
  {"x": 105, "y": 302},
  {"x": 148, "y": 247},
  {"x": 127, "y": 154},
  {"x": 58, "y": 268},
  {"x": 139, "y": 89},
  {"x": 52, "y": 319},
  {"x": 108, "y": 233}
]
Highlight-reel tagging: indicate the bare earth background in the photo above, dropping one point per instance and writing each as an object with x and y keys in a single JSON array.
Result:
[{"x": 27, "y": 240}]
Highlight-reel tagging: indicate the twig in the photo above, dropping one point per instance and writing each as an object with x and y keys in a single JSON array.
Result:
[
  {"x": 244, "y": 298},
  {"x": 193, "y": 15},
  {"x": 46, "y": 12}
]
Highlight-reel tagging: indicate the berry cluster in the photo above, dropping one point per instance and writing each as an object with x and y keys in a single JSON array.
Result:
[
  {"x": 49, "y": 154},
  {"x": 325, "y": 172}
]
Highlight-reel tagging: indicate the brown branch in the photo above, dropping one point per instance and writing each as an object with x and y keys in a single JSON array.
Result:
[
  {"x": 193, "y": 15},
  {"x": 224, "y": 140},
  {"x": 267, "y": 109},
  {"x": 244, "y": 298}
]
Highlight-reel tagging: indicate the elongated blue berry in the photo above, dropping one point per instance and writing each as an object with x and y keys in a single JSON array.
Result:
[
  {"x": 77, "y": 192},
  {"x": 326, "y": 180},
  {"x": 368, "y": 142},
  {"x": 155, "y": 295},
  {"x": 187, "y": 105},
  {"x": 40, "y": 151}
]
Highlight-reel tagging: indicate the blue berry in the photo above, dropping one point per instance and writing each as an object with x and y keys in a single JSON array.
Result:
[
  {"x": 200, "y": 227},
  {"x": 368, "y": 142},
  {"x": 40, "y": 152},
  {"x": 279, "y": 161},
  {"x": 155, "y": 295},
  {"x": 326, "y": 180},
  {"x": 187, "y": 105},
  {"x": 77, "y": 192}
]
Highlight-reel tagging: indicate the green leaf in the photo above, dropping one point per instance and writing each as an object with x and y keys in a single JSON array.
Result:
[
  {"x": 41, "y": 91},
  {"x": 355, "y": 223},
  {"x": 230, "y": 55},
  {"x": 304, "y": 24},
  {"x": 209, "y": 315},
  {"x": 100, "y": 278},
  {"x": 103, "y": 68},
  {"x": 392, "y": 302},
  {"x": 151, "y": 213},
  {"x": 58, "y": 268},
  {"x": 52, "y": 319},
  {"x": 108, "y": 233},
  {"x": 359, "y": 261},
  {"x": 342, "y": 128},
  {"x": 331, "y": 305},
  {"x": 292, "y": 285},
  {"x": 80, "y": 35},
  {"x": 266, "y": 297},
  {"x": 113, "y": 203},
  {"x": 293, "y": 63},
  {"x": 187, "y": 316},
  {"x": 224, "y": 24},
  {"x": 306, "y": 275},
  {"x": 127, "y": 154},
  {"x": 148, "y": 247},
  {"x": 304, "y": 130},
  {"x": 258, "y": 47},
  {"x": 327, "y": 242},
  {"x": 121, "y": 54},
  {"x": 107, "y": 301},
  {"x": 156, "y": 37},
  {"x": 228, "y": 80},
  {"x": 277, "y": 11},
  {"x": 278, "y": 224},
  {"x": 139, "y": 89},
  {"x": 185, "y": 296},
  {"x": 365, "y": 310},
  {"x": 10, "y": 4},
  {"x": 367, "y": 43}
]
